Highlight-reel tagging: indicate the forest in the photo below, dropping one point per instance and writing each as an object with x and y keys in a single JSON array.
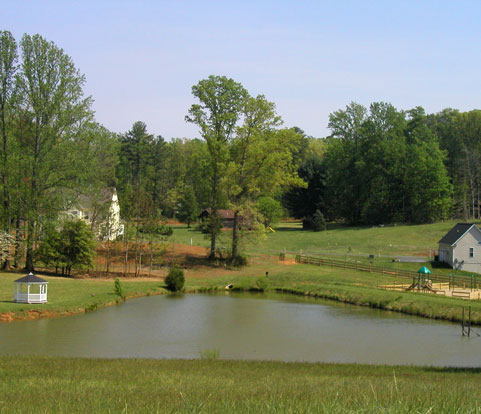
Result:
[{"x": 379, "y": 165}]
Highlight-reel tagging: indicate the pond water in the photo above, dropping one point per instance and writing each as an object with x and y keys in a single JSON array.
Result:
[{"x": 245, "y": 326}]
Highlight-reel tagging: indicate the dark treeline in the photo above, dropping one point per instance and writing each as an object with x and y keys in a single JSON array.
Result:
[
  {"x": 379, "y": 165},
  {"x": 383, "y": 165}
]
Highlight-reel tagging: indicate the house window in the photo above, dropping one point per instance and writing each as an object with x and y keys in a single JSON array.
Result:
[{"x": 471, "y": 252}]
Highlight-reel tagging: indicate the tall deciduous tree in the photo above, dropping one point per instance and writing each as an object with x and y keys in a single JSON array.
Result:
[
  {"x": 52, "y": 109},
  {"x": 8, "y": 68},
  {"x": 221, "y": 101},
  {"x": 261, "y": 159}
]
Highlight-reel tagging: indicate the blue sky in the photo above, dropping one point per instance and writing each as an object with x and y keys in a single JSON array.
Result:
[{"x": 311, "y": 58}]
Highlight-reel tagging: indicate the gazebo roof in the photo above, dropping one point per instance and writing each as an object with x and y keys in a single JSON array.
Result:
[{"x": 30, "y": 278}]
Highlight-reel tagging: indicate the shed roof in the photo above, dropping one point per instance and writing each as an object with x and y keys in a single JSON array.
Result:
[
  {"x": 30, "y": 278},
  {"x": 458, "y": 231}
]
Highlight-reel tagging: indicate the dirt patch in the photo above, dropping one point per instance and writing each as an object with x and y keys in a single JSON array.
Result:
[{"x": 288, "y": 262}]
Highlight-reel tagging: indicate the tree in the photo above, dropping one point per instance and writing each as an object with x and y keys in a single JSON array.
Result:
[
  {"x": 70, "y": 247},
  {"x": 317, "y": 221},
  {"x": 189, "y": 209},
  {"x": 51, "y": 111},
  {"x": 8, "y": 68},
  {"x": 270, "y": 209},
  {"x": 77, "y": 246},
  {"x": 6, "y": 243},
  {"x": 221, "y": 104},
  {"x": 261, "y": 159},
  {"x": 302, "y": 202}
]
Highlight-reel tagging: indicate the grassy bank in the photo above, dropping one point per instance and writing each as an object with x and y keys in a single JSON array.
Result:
[
  {"x": 67, "y": 296},
  {"x": 344, "y": 285},
  {"x": 60, "y": 385}
]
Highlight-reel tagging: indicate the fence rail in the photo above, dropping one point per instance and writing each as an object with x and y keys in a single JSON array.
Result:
[{"x": 462, "y": 281}]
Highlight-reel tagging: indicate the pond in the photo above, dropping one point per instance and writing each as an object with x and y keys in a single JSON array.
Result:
[{"x": 245, "y": 326}]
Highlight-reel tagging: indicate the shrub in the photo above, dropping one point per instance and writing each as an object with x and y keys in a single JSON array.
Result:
[
  {"x": 119, "y": 289},
  {"x": 175, "y": 279},
  {"x": 238, "y": 261},
  {"x": 318, "y": 222},
  {"x": 262, "y": 284}
]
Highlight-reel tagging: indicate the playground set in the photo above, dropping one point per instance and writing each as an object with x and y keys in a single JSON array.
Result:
[{"x": 451, "y": 288}]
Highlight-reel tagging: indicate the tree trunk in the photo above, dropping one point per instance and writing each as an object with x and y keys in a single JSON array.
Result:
[
  {"x": 30, "y": 239},
  {"x": 16, "y": 255},
  {"x": 235, "y": 236}
]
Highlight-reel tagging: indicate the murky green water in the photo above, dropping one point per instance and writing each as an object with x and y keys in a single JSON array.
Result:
[{"x": 243, "y": 326}]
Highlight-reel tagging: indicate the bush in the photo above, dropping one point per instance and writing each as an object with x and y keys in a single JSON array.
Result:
[
  {"x": 175, "y": 279},
  {"x": 238, "y": 261},
  {"x": 262, "y": 284},
  {"x": 118, "y": 289},
  {"x": 318, "y": 222}
]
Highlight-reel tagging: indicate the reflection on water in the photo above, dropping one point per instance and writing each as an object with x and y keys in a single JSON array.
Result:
[{"x": 243, "y": 326}]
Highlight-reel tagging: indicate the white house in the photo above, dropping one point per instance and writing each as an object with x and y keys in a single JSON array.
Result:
[
  {"x": 461, "y": 247},
  {"x": 101, "y": 211}
]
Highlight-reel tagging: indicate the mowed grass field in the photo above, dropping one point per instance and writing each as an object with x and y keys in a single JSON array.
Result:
[
  {"x": 62, "y": 385},
  {"x": 68, "y": 295},
  {"x": 388, "y": 240}
]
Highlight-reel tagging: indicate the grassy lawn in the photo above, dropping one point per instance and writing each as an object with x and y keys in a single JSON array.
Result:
[
  {"x": 66, "y": 295},
  {"x": 61, "y": 385},
  {"x": 394, "y": 240}
]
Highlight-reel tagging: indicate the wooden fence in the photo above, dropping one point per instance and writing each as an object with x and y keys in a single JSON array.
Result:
[{"x": 462, "y": 281}]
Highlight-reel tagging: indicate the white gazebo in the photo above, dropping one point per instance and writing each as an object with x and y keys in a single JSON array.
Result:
[{"x": 30, "y": 289}]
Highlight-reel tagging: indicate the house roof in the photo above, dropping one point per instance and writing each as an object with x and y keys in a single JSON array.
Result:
[
  {"x": 100, "y": 198},
  {"x": 458, "y": 231},
  {"x": 30, "y": 278}
]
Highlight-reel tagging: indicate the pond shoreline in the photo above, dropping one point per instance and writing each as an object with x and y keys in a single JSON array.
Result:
[{"x": 387, "y": 305}]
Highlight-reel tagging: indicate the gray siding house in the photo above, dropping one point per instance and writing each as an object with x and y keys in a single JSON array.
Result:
[{"x": 460, "y": 248}]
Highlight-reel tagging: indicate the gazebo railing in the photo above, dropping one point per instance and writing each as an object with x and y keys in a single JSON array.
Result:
[{"x": 30, "y": 298}]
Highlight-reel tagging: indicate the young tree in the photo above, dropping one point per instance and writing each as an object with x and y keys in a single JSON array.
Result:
[
  {"x": 270, "y": 209},
  {"x": 77, "y": 245},
  {"x": 70, "y": 247},
  {"x": 189, "y": 209},
  {"x": 221, "y": 101}
]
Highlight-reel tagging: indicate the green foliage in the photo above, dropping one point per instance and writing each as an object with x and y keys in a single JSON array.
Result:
[
  {"x": 189, "y": 209},
  {"x": 238, "y": 261},
  {"x": 154, "y": 228},
  {"x": 175, "y": 279},
  {"x": 71, "y": 247},
  {"x": 119, "y": 290},
  {"x": 317, "y": 221},
  {"x": 385, "y": 166},
  {"x": 303, "y": 202},
  {"x": 262, "y": 284},
  {"x": 270, "y": 209}
]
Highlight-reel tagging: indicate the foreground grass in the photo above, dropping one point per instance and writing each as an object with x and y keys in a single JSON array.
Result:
[{"x": 61, "y": 385}]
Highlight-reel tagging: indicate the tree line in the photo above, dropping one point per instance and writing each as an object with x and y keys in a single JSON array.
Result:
[{"x": 378, "y": 165}]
